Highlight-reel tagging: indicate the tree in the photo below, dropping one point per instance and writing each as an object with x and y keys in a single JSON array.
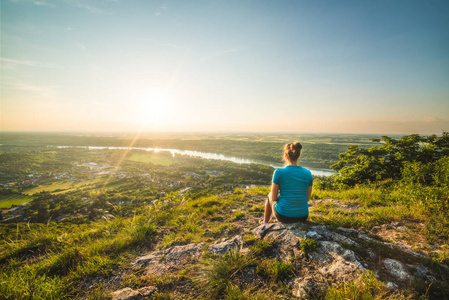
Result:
[{"x": 393, "y": 159}]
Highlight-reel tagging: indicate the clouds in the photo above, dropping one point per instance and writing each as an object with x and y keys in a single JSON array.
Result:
[
  {"x": 223, "y": 60},
  {"x": 19, "y": 62},
  {"x": 88, "y": 6},
  {"x": 34, "y": 2},
  {"x": 9, "y": 63},
  {"x": 42, "y": 3},
  {"x": 160, "y": 10},
  {"x": 91, "y": 6}
]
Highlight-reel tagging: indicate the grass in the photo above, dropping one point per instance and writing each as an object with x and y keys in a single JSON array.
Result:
[
  {"x": 6, "y": 201},
  {"x": 372, "y": 207},
  {"x": 366, "y": 287},
  {"x": 63, "y": 186},
  {"x": 222, "y": 275},
  {"x": 275, "y": 271},
  {"x": 48, "y": 262}
]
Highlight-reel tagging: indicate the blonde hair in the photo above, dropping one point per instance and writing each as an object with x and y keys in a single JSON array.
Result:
[{"x": 293, "y": 151}]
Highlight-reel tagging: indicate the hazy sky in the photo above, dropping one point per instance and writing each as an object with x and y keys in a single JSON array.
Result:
[{"x": 269, "y": 66}]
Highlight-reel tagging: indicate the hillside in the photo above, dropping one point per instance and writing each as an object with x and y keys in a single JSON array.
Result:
[
  {"x": 177, "y": 248},
  {"x": 119, "y": 224}
]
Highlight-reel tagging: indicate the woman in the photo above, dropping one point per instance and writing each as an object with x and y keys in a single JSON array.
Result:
[{"x": 295, "y": 186}]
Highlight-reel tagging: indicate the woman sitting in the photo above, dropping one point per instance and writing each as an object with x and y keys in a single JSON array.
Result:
[{"x": 294, "y": 185}]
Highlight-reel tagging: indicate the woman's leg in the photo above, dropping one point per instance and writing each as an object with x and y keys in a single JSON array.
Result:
[{"x": 268, "y": 212}]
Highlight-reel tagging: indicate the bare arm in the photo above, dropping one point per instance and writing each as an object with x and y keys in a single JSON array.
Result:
[
  {"x": 309, "y": 193},
  {"x": 274, "y": 191}
]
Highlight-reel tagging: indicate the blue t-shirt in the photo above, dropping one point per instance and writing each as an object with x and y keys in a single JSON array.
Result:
[{"x": 293, "y": 181}]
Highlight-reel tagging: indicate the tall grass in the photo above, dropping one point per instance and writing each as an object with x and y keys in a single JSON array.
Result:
[
  {"x": 367, "y": 287},
  {"x": 51, "y": 268},
  {"x": 223, "y": 274}
]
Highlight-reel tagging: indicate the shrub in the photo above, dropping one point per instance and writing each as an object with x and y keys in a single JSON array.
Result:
[
  {"x": 308, "y": 245},
  {"x": 263, "y": 247}
]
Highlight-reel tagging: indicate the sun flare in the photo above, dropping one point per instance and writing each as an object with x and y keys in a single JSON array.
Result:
[{"x": 154, "y": 110}]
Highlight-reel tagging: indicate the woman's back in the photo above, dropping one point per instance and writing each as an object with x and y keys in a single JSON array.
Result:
[
  {"x": 291, "y": 189},
  {"x": 294, "y": 182}
]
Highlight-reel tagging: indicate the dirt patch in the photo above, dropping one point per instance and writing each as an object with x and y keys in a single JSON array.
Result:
[{"x": 408, "y": 233}]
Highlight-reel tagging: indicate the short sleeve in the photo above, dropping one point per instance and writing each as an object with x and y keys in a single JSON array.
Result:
[
  {"x": 311, "y": 180},
  {"x": 276, "y": 176}
]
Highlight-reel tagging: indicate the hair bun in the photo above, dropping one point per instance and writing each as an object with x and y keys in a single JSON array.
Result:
[{"x": 293, "y": 150}]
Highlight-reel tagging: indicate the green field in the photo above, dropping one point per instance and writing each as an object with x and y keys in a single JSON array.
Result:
[
  {"x": 62, "y": 186},
  {"x": 6, "y": 201},
  {"x": 154, "y": 158}
]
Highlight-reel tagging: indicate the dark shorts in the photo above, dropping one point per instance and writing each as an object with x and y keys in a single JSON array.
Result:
[{"x": 285, "y": 219}]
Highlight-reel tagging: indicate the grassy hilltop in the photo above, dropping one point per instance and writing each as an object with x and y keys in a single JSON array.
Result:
[{"x": 93, "y": 212}]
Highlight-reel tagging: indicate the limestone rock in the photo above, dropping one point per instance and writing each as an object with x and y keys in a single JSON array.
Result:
[
  {"x": 314, "y": 235},
  {"x": 262, "y": 230},
  {"x": 396, "y": 269},
  {"x": 124, "y": 294},
  {"x": 333, "y": 260},
  {"x": 336, "y": 261},
  {"x": 330, "y": 263},
  {"x": 147, "y": 290},
  {"x": 303, "y": 286},
  {"x": 130, "y": 294},
  {"x": 332, "y": 236},
  {"x": 224, "y": 245},
  {"x": 391, "y": 285},
  {"x": 286, "y": 241},
  {"x": 171, "y": 259}
]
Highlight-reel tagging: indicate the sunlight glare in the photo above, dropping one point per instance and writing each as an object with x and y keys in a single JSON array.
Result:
[{"x": 154, "y": 110}]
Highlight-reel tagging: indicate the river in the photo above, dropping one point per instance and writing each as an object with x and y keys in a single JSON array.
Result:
[{"x": 208, "y": 155}]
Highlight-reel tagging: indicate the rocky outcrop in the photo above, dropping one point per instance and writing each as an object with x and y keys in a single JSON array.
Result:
[{"x": 333, "y": 261}]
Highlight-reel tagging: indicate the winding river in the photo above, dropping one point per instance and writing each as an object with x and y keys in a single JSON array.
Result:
[{"x": 208, "y": 155}]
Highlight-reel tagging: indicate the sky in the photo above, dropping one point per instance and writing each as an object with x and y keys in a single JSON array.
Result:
[{"x": 225, "y": 66}]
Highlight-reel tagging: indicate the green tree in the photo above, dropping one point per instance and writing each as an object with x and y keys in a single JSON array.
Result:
[{"x": 414, "y": 157}]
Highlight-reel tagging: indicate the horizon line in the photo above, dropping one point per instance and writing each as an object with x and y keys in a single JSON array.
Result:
[{"x": 206, "y": 132}]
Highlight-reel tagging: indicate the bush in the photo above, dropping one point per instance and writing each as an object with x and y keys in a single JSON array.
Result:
[
  {"x": 308, "y": 245},
  {"x": 263, "y": 247}
]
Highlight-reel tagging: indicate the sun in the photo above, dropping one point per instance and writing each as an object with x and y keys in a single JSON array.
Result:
[{"x": 154, "y": 110}]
